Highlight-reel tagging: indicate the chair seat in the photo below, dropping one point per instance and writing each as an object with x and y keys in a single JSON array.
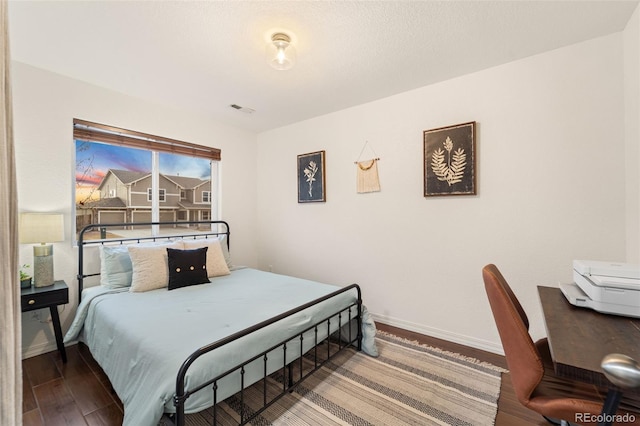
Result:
[{"x": 551, "y": 395}]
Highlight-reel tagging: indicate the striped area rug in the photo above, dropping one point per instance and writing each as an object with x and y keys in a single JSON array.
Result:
[{"x": 408, "y": 384}]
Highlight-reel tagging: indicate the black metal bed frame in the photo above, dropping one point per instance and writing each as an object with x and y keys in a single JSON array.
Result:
[{"x": 318, "y": 359}]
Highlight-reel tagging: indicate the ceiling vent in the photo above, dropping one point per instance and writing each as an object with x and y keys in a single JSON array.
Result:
[{"x": 243, "y": 109}]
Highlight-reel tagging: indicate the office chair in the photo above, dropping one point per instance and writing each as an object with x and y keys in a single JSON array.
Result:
[{"x": 531, "y": 366}]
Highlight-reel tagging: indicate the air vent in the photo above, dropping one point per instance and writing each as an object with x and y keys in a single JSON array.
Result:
[{"x": 243, "y": 109}]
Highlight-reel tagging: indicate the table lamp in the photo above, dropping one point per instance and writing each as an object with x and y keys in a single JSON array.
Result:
[{"x": 42, "y": 228}]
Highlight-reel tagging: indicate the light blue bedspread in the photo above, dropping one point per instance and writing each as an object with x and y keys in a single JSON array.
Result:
[{"x": 141, "y": 339}]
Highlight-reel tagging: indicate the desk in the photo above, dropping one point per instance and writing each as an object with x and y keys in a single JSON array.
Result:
[
  {"x": 51, "y": 296},
  {"x": 579, "y": 337}
]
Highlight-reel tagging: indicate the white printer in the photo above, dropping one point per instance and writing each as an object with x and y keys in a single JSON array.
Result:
[{"x": 607, "y": 287}]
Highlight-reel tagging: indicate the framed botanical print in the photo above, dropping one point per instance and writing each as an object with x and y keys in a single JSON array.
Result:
[
  {"x": 450, "y": 160},
  {"x": 311, "y": 177}
]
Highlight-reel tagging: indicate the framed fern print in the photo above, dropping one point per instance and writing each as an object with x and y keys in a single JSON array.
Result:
[
  {"x": 450, "y": 160},
  {"x": 311, "y": 178}
]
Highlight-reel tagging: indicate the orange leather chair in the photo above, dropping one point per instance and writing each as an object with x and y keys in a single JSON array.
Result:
[{"x": 531, "y": 367}]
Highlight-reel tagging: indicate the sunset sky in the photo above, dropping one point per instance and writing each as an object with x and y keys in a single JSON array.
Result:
[{"x": 94, "y": 159}]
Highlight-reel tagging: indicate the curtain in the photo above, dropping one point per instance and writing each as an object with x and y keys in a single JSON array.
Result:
[{"x": 10, "y": 315}]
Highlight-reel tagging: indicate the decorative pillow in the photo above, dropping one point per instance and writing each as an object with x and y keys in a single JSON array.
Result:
[
  {"x": 216, "y": 263},
  {"x": 187, "y": 267},
  {"x": 150, "y": 266},
  {"x": 368, "y": 332},
  {"x": 225, "y": 250},
  {"x": 115, "y": 266}
]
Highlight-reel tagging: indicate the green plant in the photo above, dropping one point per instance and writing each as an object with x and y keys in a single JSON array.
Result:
[{"x": 24, "y": 275}]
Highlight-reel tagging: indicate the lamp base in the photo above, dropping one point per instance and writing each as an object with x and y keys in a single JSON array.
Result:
[{"x": 43, "y": 266}]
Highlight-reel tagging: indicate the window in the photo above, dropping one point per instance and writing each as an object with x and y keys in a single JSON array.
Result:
[
  {"x": 118, "y": 171},
  {"x": 162, "y": 194}
]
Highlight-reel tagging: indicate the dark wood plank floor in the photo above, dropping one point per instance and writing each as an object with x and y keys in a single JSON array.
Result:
[{"x": 79, "y": 393}]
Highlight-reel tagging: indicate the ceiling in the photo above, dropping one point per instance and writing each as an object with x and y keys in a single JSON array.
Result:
[{"x": 203, "y": 56}]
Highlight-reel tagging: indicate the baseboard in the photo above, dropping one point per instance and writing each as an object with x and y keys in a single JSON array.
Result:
[
  {"x": 440, "y": 334},
  {"x": 41, "y": 348}
]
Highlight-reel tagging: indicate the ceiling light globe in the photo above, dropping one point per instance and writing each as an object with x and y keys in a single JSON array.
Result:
[{"x": 281, "y": 54}]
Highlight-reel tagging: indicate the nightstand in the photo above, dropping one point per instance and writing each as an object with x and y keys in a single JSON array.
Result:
[{"x": 51, "y": 296}]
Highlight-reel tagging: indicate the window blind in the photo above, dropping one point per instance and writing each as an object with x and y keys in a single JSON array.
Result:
[{"x": 95, "y": 132}]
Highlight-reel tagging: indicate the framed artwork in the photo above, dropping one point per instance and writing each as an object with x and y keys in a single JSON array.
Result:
[
  {"x": 311, "y": 178},
  {"x": 450, "y": 160}
]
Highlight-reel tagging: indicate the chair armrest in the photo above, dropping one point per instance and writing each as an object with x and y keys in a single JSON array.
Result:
[{"x": 621, "y": 370}]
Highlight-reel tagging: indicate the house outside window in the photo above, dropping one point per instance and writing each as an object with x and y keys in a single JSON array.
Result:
[{"x": 114, "y": 183}]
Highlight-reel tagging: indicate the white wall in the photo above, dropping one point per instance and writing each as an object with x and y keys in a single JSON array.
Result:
[
  {"x": 632, "y": 134},
  {"x": 44, "y": 107},
  {"x": 551, "y": 188}
]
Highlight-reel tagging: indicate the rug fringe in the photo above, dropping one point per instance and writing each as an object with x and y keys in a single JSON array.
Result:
[{"x": 437, "y": 350}]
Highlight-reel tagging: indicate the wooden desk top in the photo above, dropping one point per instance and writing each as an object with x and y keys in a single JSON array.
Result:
[{"x": 580, "y": 337}]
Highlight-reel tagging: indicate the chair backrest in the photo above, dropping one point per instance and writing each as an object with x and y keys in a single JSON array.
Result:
[{"x": 523, "y": 359}]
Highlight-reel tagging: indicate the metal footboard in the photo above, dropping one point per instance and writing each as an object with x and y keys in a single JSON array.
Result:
[{"x": 319, "y": 356}]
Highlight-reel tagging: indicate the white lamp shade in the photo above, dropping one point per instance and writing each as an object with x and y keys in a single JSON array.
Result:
[{"x": 41, "y": 228}]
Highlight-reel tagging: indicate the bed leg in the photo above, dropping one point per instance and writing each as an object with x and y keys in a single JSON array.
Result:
[
  {"x": 290, "y": 378},
  {"x": 178, "y": 417}
]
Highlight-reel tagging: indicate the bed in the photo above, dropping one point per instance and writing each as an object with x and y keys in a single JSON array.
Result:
[{"x": 172, "y": 346}]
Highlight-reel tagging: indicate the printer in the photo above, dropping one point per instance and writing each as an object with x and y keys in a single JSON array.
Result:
[{"x": 607, "y": 287}]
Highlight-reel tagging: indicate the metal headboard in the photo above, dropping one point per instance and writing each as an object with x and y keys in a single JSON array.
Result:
[{"x": 103, "y": 227}]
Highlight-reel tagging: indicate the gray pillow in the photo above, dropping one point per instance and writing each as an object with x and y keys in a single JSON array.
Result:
[
  {"x": 368, "y": 332},
  {"x": 115, "y": 266}
]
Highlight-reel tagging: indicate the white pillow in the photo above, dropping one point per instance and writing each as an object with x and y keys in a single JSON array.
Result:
[
  {"x": 216, "y": 263},
  {"x": 115, "y": 266},
  {"x": 150, "y": 265}
]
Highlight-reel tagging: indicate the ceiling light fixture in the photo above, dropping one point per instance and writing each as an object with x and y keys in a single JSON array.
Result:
[{"x": 281, "y": 54}]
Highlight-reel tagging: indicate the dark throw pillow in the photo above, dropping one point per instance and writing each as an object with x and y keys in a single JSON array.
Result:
[{"x": 187, "y": 267}]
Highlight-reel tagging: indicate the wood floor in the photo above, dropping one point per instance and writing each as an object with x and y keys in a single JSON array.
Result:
[{"x": 79, "y": 393}]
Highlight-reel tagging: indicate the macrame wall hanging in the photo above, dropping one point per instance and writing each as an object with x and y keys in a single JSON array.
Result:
[{"x": 367, "y": 179}]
